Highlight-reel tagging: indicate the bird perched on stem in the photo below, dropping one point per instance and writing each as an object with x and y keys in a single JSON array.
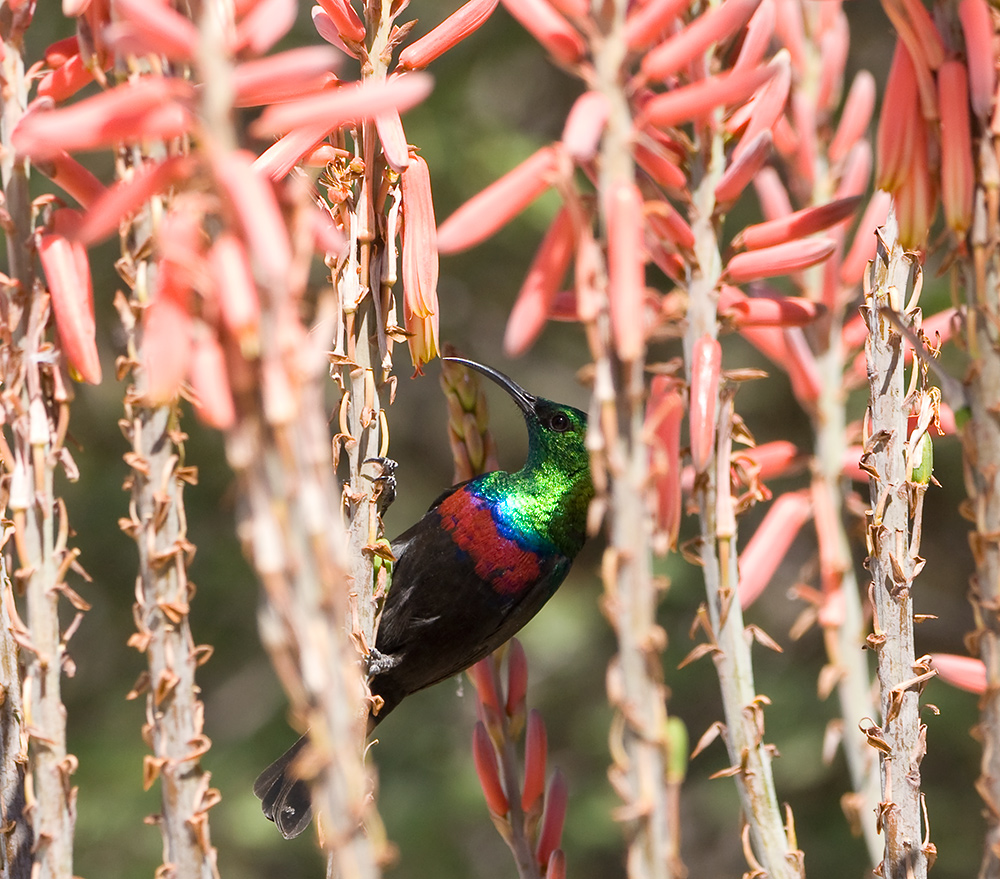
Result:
[{"x": 468, "y": 575}]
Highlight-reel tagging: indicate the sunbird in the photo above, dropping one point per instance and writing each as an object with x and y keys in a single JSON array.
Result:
[{"x": 468, "y": 575}]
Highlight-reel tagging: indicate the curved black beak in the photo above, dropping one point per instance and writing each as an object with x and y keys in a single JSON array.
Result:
[{"x": 524, "y": 400}]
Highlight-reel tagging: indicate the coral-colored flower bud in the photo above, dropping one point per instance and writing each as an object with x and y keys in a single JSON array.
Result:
[
  {"x": 556, "y": 867},
  {"x": 773, "y": 460},
  {"x": 796, "y": 225},
  {"x": 67, "y": 273},
  {"x": 422, "y": 340},
  {"x": 654, "y": 161},
  {"x": 67, "y": 173},
  {"x": 555, "y": 817},
  {"x": 517, "y": 678},
  {"x": 364, "y": 100},
  {"x": 715, "y": 25},
  {"x": 922, "y": 24},
  {"x": 547, "y": 26},
  {"x": 770, "y": 544},
  {"x": 239, "y": 305},
  {"x": 963, "y": 672},
  {"x": 256, "y": 207},
  {"x": 699, "y": 99},
  {"x": 767, "y": 311},
  {"x": 264, "y": 23},
  {"x": 66, "y": 80},
  {"x": 393, "y": 140},
  {"x": 662, "y": 431},
  {"x": 129, "y": 195},
  {"x": 706, "y": 365},
  {"x": 646, "y": 23},
  {"x": 856, "y": 115},
  {"x": 856, "y": 171},
  {"x": 769, "y": 103},
  {"x": 667, "y": 225},
  {"x": 420, "y": 249},
  {"x": 59, "y": 52},
  {"x": 916, "y": 198},
  {"x": 760, "y": 30},
  {"x": 585, "y": 125},
  {"x": 154, "y": 28},
  {"x": 534, "y": 301},
  {"x": 166, "y": 344},
  {"x": 833, "y": 48},
  {"x": 977, "y": 26},
  {"x": 788, "y": 349},
  {"x": 791, "y": 31},
  {"x": 743, "y": 169},
  {"x": 152, "y": 106},
  {"x": 772, "y": 195},
  {"x": 348, "y": 22},
  {"x": 900, "y": 112},
  {"x": 483, "y": 214},
  {"x": 485, "y": 759},
  {"x": 626, "y": 269},
  {"x": 279, "y": 158},
  {"x": 782, "y": 259},
  {"x": 958, "y": 173},
  {"x": 286, "y": 76},
  {"x": 535, "y": 755},
  {"x": 455, "y": 28},
  {"x": 482, "y": 678},
  {"x": 328, "y": 31},
  {"x": 213, "y": 396}
]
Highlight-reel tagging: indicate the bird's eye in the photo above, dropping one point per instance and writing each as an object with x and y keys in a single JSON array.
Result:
[{"x": 559, "y": 422}]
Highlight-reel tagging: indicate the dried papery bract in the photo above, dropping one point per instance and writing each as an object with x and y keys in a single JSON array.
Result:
[{"x": 894, "y": 562}]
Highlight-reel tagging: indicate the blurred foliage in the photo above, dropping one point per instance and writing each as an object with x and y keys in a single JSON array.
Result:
[{"x": 496, "y": 100}]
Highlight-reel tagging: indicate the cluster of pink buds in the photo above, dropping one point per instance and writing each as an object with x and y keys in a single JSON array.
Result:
[
  {"x": 529, "y": 818},
  {"x": 941, "y": 84}
]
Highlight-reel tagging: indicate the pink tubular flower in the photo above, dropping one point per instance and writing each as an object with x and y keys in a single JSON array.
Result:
[
  {"x": 67, "y": 173},
  {"x": 856, "y": 115},
  {"x": 668, "y": 225},
  {"x": 555, "y": 816},
  {"x": 213, "y": 396},
  {"x": 547, "y": 26},
  {"x": 66, "y": 79},
  {"x": 67, "y": 273},
  {"x": 958, "y": 174},
  {"x": 706, "y": 365},
  {"x": 662, "y": 433},
  {"x": 790, "y": 30},
  {"x": 769, "y": 103},
  {"x": 626, "y": 269},
  {"x": 455, "y": 28},
  {"x": 963, "y": 672},
  {"x": 485, "y": 759},
  {"x": 556, "y": 867},
  {"x": 129, "y": 195},
  {"x": 483, "y": 214},
  {"x": 916, "y": 198},
  {"x": 647, "y": 23},
  {"x": 782, "y": 259},
  {"x": 286, "y": 76},
  {"x": 535, "y": 754},
  {"x": 420, "y": 250},
  {"x": 534, "y": 302},
  {"x": 856, "y": 171},
  {"x": 697, "y": 100},
  {"x": 834, "y": 44},
  {"x": 59, "y": 52},
  {"x": 584, "y": 126},
  {"x": 517, "y": 679},
  {"x": 166, "y": 348},
  {"x": 153, "y": 107},
  {"x": 977, "y": 26},
  {"x": 423, "y": 337},
  {"x": 714, "y": 26},
  {"x": 788, "y": 349},
  {"x": 256, "y": 207},
  {"x": 279, "y": 158},
  {"x": 348, "y": 22},
  {"x": 263, "y": 24},
  {"x": 774, "y": 459},
  {"x": 771, "y": 194},
  {"x": 770, "y": 544},
  {"x": 351, "y": 102},
  {"x": 767, "y": 311},
  {"x": 393, "y": 140},
  {"x": 328, "y": 31},
  {"x": 743, "y": 169},
  {"x": 654, "y": 161},
  {"x": 796, "y": 225},
  {"x": 239, "y": 305},
  {"x": 899, "y": 120},
  {"x": 152, "y": 28},
  {"x": 760, "y": 29},
  {"x": 926, "y": 32}
]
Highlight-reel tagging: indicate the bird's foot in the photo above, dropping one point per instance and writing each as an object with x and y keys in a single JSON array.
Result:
[
  {"x": 380, "y": 662},
  {"x": 385, "y": 482}
]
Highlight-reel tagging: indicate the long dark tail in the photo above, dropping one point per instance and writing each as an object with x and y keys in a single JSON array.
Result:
[{"x": 285, "y": 798}]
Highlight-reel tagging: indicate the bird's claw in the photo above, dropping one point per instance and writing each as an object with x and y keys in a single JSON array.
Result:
[
  {"x": 379, "y": 662},
  {"x": 385, "y": 482}
]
